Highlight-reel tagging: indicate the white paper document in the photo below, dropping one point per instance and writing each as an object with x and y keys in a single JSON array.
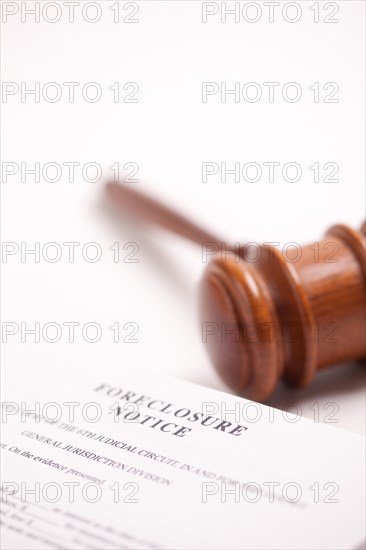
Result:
[{"x": 146, "y": 462}]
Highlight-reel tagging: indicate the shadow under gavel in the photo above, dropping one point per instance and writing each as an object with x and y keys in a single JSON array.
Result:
[{"x": 268, "y": 316}]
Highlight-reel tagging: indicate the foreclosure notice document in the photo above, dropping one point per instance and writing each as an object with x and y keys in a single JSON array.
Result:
[{"x": 142, "y": 462}]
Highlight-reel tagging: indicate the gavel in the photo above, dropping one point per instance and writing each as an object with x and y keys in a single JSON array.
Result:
[{"x": 266, "y": 315}]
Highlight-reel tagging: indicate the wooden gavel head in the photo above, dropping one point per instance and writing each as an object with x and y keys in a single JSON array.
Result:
[
  {"x": 273, "y": 315},
  {"x": 269, "y": 313}
]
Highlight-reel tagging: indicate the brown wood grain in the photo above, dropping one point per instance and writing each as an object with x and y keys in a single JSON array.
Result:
[{"x": 273, "y": 317}]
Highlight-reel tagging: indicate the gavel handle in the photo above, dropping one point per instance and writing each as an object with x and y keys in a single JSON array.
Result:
[{"x": 154, "y": 212}]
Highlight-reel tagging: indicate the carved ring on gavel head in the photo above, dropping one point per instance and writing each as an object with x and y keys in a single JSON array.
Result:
[
  {"x": 274, "y": 318},
  {"x": 271, "y": 317}
]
